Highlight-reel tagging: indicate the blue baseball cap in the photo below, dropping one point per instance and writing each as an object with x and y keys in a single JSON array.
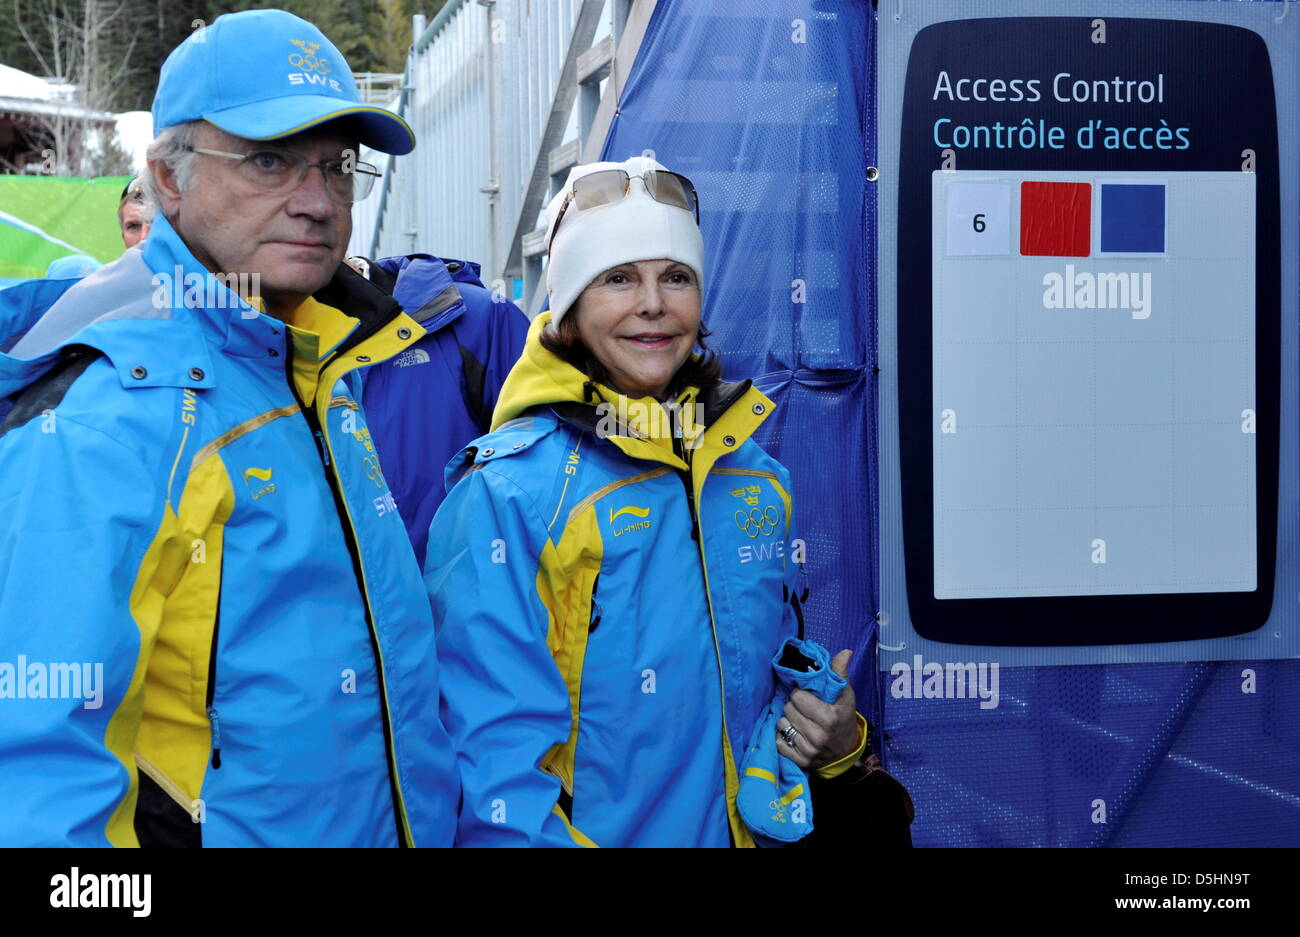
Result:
[{"x": 266, "y": 74}]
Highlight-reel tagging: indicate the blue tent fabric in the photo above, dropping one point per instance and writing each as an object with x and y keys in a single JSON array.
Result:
[
  {"x": 767, "y": 117},
  {"x": 777, "y": 134}
]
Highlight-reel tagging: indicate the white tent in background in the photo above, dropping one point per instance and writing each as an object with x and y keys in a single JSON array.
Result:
[{"x": 134, "y": 133}]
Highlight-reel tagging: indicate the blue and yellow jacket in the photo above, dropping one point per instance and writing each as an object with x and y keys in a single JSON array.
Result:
[
  {"x": 190, "y": 500},
  {"x": 609, "y": 599}
]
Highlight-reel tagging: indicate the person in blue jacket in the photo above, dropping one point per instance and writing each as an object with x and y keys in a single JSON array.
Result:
[
  {"x": 609, "y": 571},
  {"x": 425, "y": 404},
  {"x": 213, "y": 629},
  {"x": 72, "y": 267}
]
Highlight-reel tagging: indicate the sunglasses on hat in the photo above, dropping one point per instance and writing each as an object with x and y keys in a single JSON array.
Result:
[
  {"x": 134, "y": 190},
  {"x": 608, "y": 186}
]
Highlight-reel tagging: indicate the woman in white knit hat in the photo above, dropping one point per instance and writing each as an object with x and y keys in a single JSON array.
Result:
[{"x": 611, "y": 571}]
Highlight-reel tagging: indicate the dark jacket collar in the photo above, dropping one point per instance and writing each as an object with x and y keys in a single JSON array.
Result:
[{"x": 351, "y": 293}]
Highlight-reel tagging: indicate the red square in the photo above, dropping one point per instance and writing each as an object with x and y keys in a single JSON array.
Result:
[{"x": 1055, "y": 219}]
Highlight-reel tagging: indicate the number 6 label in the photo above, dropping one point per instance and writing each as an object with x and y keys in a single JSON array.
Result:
[{"x": 978, "y": 218}]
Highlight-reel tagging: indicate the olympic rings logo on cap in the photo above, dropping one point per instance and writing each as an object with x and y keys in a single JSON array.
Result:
[{"x": 307, "y": 60}]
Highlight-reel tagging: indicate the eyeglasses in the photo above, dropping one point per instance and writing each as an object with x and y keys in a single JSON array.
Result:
[
  {"x": 612, "y": 185},
  {"x": 282, "y": 171}
]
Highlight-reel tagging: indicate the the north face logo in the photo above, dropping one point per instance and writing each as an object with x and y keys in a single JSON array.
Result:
[{"x": 411, "y": 356}]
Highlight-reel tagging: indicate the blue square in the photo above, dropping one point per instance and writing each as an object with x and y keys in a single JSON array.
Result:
[{"x": 1132, "y": 218}]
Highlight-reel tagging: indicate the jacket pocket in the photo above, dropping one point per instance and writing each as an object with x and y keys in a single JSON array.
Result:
[
  {"x": 161, "y": 820},
  {"x": 577, "y": 616}
]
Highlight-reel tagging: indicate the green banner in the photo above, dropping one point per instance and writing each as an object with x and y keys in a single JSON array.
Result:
[{"x": 43, "y": 218}]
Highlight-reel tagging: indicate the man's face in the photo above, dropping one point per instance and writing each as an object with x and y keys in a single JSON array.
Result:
[
  {"x": 130, "y": 217},
  {"x": 292, "y": 240}
]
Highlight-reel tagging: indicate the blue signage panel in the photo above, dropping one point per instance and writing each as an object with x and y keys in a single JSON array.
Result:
[{"x": 1088, "y": 299}]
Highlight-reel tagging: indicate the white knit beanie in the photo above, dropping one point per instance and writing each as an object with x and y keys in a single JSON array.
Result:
[{"x": 635, "y": 228}]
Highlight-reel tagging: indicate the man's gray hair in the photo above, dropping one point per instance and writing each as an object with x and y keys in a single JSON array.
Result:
[{"x": 172, "y": 148}]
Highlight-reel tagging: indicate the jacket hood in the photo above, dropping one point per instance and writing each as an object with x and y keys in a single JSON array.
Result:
[
  {"x": 156, "y": 314},
  {"x": 21, "y": 307},
  {"x": 114, "y": 311},
  {"x": 425, "y": 286},
  {"x": 22, "y": 304}
]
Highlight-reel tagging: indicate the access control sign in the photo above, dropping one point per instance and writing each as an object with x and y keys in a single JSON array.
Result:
[{"x": 1088, "y": 319}]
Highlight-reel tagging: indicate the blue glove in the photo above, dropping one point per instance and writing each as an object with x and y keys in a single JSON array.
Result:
[{"x": 773, "y": 799}]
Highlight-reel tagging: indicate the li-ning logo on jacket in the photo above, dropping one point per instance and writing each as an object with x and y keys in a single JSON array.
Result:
[
  {"x": 635, "y": 512},
  {"x": 262, "y": 475},
  {"x": 314, "y": 68},
  {"x": 411, "y": 356}
]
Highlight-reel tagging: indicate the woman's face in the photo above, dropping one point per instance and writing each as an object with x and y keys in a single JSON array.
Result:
[{"x": 641, "y": 320}]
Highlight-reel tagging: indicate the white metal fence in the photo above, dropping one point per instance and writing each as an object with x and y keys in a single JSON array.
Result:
[{"x": 489, "y": 89}]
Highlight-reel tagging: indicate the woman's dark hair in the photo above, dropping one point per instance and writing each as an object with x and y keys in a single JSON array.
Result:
[{"x": 702, "y": 370}]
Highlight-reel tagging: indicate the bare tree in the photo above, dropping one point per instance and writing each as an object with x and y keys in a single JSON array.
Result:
[
  {"x": 51, "y": 33},
  {"x": 54, "y": 40},
  {"x": 64, "y": 38}
]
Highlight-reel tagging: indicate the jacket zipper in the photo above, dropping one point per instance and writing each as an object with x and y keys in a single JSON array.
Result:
[
  {"x": 698, "y": 537},
  {"x": 690, "y": 503},
  {"x": 214, "y": 719},
  {"x": 595, "y": 614},
  {"x": 708, "y": 598},
  {"x": 309, "y": 414},
  {"x": 687, "y": 483}
]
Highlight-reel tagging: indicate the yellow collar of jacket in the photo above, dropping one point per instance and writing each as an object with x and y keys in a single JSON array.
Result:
[
  {"x": 315, "y": 330},
  {"x": 642, "y": 427}
]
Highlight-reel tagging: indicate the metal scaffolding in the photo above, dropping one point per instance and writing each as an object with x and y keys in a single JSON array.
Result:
[{"x": 490, "y": 90}]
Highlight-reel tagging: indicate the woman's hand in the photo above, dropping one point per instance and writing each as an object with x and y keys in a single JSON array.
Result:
[{"x": 826, "y": 732}]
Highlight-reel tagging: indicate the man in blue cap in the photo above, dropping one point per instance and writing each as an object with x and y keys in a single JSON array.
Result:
[{"x": 213, "y": 629}]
